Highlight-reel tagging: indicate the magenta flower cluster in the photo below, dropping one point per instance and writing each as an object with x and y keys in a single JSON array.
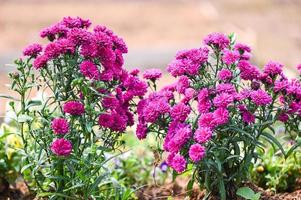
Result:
[
  {"x": 94, "y": 57},
  {"x": 228, "y": 88}
]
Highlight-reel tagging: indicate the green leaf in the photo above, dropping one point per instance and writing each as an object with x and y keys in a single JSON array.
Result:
[
  {"x": 26, "y": 167},
  {"x": 8, "y": 97},
  {"x": 32, "y": 103},
  {"x": 222, "y": 190},
  {"x": 291, "y": 150},
  {"x": 46, "y": 194},
  {"x": 248, "y": 193},
  {"x": 271, "y": 139},
  {"x": 24, "y": 118}
]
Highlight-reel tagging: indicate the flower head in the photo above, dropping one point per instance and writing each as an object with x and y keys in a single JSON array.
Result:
[
  {"x": 261, "y": 98},
  {"x": 230, "y": 57},
  {"x": 61, "y": 147},
  {"x": 273, "y": 68},
  {"x": 177, "y": 162},
  {"x": 60, "y": 126},
  {"x": 180, "y": 112},
  {"x": 218, "y": 40},
  {"x": 33, "y": 50},
  {"x": 40, "y": 62},
  {"x": 196, "y": 152},
  {"x": 89, "y": 70},
  {"x": 202, "y": 135},
  {"x": 224, "y": 75},
  {"x": 74, "y": 108},
  {"x": 152, "y": 74}
]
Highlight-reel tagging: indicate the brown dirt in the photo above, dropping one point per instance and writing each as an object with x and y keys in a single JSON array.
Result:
[
  {"x": 158, "y": 192},
  {"x": 17, "y": 192},
  {"x": 178, "y": 193}
]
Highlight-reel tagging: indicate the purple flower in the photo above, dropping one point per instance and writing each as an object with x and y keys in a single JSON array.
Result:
[
  {"x": 242, "y": 48},
  {"x": 154, "y": 108},
  {"x": 114, "y": 121},
  {"x": 203, "y": 101},
  {"x": 134, "y": 72},
  {"x": 61, "y": 147},
  {"x": 202, "y": 135},
  {"x": 189, "y": 94},
  {"x": 273, "y": 68},
  {"x": 40, "y": 62},
  {"x": 226, "y": 88},
  {"x": 223, "y": 100},
  {"x": 135, "y": 86},
  {"x": 89, "y": 70},
  {"x": 177, "y": 162},
  {"x": 74, "y": 108},
  {"x": 244, "y": 94},
  {"x": 180, "y": 112},
  {"x": 76, "y": 22},
  {"x": 110, "y": 102},
  {"x": 248, "y": 71},
  {"x": 206, "y": 120},
  {"x": 182, "y": 84},
  {"x": 180, "y": 137},
  {"x": 248, "y": 117},
  {"x": 218, "y": 40},
  {"x": 163, "y": 166},
  {"x": 152, "y": 74},
  {"x": 141, "y": 131},
  {"x": 230, "y": 57},
  {"x": 261, "y": 98},
  {"x": 53, "y": 50},
  {"x": 196, "y": 152},
  {"x": 33, "y": 50},
  {"x": 188, "y": 62},
  {"x": 281, "y": 86},
  {"x": 221, "y": 116},
  {"x": 60, "y": 126},
  {"x": 225, "y": 75},
  {"x": 283, "y": 117}
]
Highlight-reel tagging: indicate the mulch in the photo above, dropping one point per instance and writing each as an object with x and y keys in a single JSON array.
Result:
[
  {"x": 178, "y": 193},
  {"x": 157, "y": 192}
]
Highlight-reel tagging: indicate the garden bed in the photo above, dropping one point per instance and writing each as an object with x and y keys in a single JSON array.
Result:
[
  {"x": 158, "y": 192},
  {"x": 178, "y": 192}
]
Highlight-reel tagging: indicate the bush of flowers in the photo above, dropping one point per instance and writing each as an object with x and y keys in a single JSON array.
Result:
[
  {"x": 218, "y": 112},
  {"x": 86, "y": 102}
]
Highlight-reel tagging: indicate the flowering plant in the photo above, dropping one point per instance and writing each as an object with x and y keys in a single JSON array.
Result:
[
  {"x": 86, "y": 103},
  {"x": 217, "y": 112}
]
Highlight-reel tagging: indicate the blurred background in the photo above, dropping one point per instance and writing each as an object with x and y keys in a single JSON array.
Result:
[{"x": 155, "y": 30}]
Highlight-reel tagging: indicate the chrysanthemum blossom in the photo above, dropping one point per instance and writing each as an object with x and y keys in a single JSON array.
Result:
[
  {"x": 40, "y": 62},
  {"x": 196, "y": 152},
  {"x": 141, "y": 131},
  {"x": 89, "y": 70},
  {"x": 74, "y": 108},
  {"x": 242, "y": 48},
  {"x": 273, "y": 68},
  {"x": 177, "y": 162},
  {"x": 33, "y": 50},
  {"x": 152, "y": 74},
  {"x": 60, "y": 126},
  {"x": 202, "y": 135},
  {"x": 230, "y": 57},
  {"x": 180, "y": 112},
  {"x": 218, "y": 40},
  {"x": 248, "y": 71},
  {"x": 224, "y": 75},
  {"x": 61, "y": 147},
  {"x": 261, "y": 98}
]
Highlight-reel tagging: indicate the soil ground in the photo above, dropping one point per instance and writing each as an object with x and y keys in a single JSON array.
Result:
[{"x": 175, "y": 190}]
